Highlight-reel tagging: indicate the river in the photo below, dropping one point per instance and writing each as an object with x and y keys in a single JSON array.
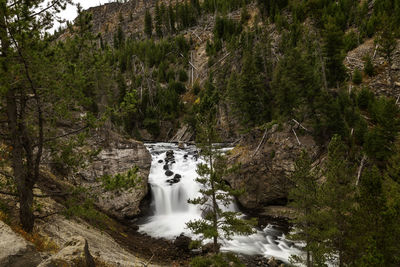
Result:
[{"x": 171, "y": 211}]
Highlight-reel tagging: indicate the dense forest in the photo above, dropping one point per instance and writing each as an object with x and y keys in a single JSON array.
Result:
[{"x": 251, "y": 64}]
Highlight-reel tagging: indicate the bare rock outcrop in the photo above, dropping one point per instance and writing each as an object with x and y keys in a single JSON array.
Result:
[
  {"x": 118, "y": 157},
  {"x": 101, "y": 245},
  {"x": 16, "y": 251},
  {"x": 266, "y": 161},
  {"x": 75, "y": 253}
]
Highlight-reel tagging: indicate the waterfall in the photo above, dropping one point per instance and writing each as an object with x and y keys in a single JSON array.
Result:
[{"x": 172, "y": 182}]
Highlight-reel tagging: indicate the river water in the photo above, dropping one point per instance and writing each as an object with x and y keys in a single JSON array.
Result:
[{"x": 171, "y": 212}]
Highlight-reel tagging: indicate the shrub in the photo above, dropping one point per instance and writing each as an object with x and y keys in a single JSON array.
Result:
[
  {"x": 183, "y": 76},
  {"x": 369, "y": 66},
  {"x": 357, "y": 77}
]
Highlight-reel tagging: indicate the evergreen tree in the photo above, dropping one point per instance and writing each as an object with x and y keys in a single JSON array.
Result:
[
  {"x": 148, "y": 24},
  {"x": 369, "y": 66},
  {"x": 305, "y": 200},
  {"x": 357, "y": 77},
  {"x": 215, "y": 193},
  {"x": 36, "y": 99},
  {"x": 387, "y": 44},
  {"x": 249, "y": 93},
  {"x": 171, "y": 17},
  {"x": 158, "y": 21},
  {"x": 333, "y": 45},
  {"x": 337, "y": 199}
]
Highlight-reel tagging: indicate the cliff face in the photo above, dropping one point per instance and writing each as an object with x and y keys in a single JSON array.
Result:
[
  {"x": 266, "y": 163},
  {"x": 129, "y": 16},
  {"x": 118, "y": 156}
]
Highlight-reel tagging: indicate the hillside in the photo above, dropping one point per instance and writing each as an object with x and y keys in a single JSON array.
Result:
[{"x": 306, "y": 92}]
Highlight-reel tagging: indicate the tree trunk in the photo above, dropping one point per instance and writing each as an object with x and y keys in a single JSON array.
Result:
[
  {"x": 24, "y": 186},
  {"x": 26, "y": 216},
  {"x": 214, "y": 200}
]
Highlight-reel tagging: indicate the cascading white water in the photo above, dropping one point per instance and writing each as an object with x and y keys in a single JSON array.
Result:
[{"x": 172, "y": 211}]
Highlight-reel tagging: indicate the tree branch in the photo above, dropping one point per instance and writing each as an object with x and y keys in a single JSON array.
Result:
[
  {"x": 8, "y": 193},
  {"x": 47, "y": 215},
  {"x": 45, "y": 9},
  {"x": 6, "y": 174},
  {"x": 63, "y": 135},
  {"x": 364, "y": 158},
  {"x": 262, "y": 141}
]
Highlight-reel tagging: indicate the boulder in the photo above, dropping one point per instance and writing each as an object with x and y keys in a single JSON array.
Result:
[
  {"x": 169, "y": 173},
  {"x": 176, "y": 179},
  {"x": 272, "y": 262},
  {"x": 181, "y": 145},
  {"x": 15, "y": 251},
  {"x": 75, "y": 253},
  {"x": 209, "y": 248}
]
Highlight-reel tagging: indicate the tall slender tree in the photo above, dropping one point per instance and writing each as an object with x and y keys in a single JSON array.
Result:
[
  {"x": 35, "y": 99},
  {"x": 148, "y": 24},
  {"x": 216, "y": 194}
]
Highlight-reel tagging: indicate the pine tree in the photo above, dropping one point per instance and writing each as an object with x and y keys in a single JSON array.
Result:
[
  {"x": 171, "y": 17},
  {"x": 357, "y": 77},
  {"x": 158, "y": 21},
  {"x": 305, "y": 200},
  {"x": 387, "y": 44},
  {"x": 148, "y": 24},
  {"x": 35, "y": 98},
  {"x": 369, "y": 66},
  {"x": 215, "y": 192},
  {"x": 333, "y": 45},
  {"x": 337, "y": 199}
]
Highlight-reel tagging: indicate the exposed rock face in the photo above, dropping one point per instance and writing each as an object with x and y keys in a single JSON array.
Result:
[
  {"x": 102, "y": 246},
  {"x": 264, "y": 175},
  {"x": 119, "y": 157},
  {"x": 16, "y": 251},
  {"x": 75, "y": 253},
  {"x": 379, "y": 83}
]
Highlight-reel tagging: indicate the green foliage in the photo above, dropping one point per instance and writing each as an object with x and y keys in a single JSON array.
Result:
[
  {"x": 215, "y": 192},
  {"x": 225, "y": 28},
  {"x": 121, "y": 181},
  {"x": 333, "y": 45},
  {"x": 350, "y": 41},
  {"x": 218, "y": 260},
  {"x": 81, "y": 205},
  {"x": 249, "y": 94},
  {"x": 369, "y": 66},
  {"x": 148, "y": 24},
  {"x": 305, "y": 200},
  {"x": 357, "y": 77},
  {"x": 183, "y": 76}
]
